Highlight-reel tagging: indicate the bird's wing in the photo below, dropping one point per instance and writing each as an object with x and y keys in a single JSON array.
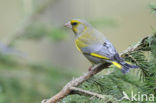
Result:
[{"x": 99, "y": 50}]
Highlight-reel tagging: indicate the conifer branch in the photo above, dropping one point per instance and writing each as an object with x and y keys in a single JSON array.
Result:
[{"x": 68, "y": 88}]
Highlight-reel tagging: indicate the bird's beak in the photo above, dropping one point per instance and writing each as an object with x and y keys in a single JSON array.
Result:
[{"x": 68, "y": 25}]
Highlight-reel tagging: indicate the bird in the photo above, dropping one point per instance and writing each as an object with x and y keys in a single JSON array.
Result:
[{"x": 95, "y": 46}]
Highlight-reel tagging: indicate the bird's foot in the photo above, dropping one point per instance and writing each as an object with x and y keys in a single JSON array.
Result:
[{"x": 90, "y": 68}]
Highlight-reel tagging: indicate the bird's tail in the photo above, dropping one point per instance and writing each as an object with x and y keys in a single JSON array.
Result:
[
  {"x": 120, "y": 63},
  {"x": 124, "y": 66}
]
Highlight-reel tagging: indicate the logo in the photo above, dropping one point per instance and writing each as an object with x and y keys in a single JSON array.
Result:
[{"x": 137, "y": 97}]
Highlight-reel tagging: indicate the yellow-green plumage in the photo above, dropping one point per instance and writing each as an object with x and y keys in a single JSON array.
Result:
[
  {"x": 95, "y": 46},
  {"x": 85, "y": 39}
]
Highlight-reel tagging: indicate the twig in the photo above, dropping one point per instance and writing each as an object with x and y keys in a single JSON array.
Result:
[
  {"x": 77, "y": 81},
  {"x": 136, "y": 47},
  {"x": 85, "y": 92},
  {"x": 88, "y": 93}
]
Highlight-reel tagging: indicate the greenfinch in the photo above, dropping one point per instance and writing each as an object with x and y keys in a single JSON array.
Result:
[{"x": 94, "y": 45}]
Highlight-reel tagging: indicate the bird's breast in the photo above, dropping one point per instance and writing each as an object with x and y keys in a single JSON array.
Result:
[
  {"x": 84, "y": 40},
  {"x": 80, "y": 44}
]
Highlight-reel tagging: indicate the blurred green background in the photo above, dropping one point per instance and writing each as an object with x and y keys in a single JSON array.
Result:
[{"x": 38, "y": 55}]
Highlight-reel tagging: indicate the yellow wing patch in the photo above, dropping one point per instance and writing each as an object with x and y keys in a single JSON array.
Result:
[
  {"x": 98, "y": 56},
  {"x": 103, "y": 57},
  {"x": 117, "y": 65}
]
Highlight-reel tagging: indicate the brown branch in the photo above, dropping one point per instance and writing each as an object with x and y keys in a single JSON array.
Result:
[
  {"x": 136, "y": 47},
  {"x": 77, "y": 81},
  {"x": 85, "y": 92},
  {"x": 80, "y": 91}
]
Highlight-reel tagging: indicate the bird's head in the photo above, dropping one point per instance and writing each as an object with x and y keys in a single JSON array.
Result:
[{"x": 77, "y": 25}]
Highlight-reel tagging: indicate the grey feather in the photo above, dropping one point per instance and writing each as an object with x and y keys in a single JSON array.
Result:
[
  {"x": 100, "y": 49},
  {"x": 95, "y": 42}
]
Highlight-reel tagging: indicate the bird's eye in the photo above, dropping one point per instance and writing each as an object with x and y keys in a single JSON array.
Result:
[{"x": 75, "y": 23}]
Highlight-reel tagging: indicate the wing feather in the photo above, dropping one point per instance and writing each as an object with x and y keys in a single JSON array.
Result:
[{"x": 103, "y": 51}]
